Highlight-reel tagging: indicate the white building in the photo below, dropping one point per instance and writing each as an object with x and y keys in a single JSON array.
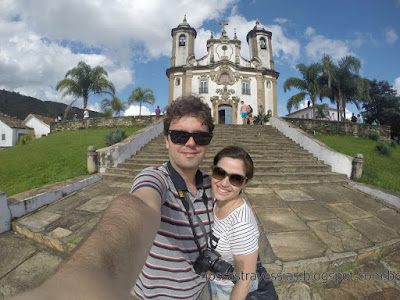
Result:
[
  {"x": 307, "y": 113},
  {"x": 11, "y": 129},
  {"x": 223, "y": 77},
  {"x": 40, "y": 124}
]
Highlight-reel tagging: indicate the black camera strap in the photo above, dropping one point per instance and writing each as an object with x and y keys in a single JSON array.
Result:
[
  {"x": 189, "y": 206},
  {"x": 187, "y": 203}
]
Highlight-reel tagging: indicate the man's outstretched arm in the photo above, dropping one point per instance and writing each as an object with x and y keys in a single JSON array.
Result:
[{"x": 107, "y": 264}]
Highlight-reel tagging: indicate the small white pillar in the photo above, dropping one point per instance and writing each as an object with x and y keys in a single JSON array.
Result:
[
  {"x": 5, "y": 214},
  {"x": 92, "y": 165}
]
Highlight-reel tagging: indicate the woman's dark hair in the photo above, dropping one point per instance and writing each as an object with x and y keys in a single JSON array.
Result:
[
  {"x": 237, "y": 153},
  {"x": 189, "y": 106}
]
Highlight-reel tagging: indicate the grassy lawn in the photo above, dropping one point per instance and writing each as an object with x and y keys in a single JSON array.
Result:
[
  {"x": 379, "y": 170},
  {"x": 50, "y": 159}
]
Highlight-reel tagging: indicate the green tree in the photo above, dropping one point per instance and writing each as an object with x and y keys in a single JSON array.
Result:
[
  {"x": 309, "y": 85},
  {"x": 106, "y": 113},
  {"x": 141, "y": 96},
  {"x": 383, "y": 105},
  {"x": 115, "y": 105},
  {"x": 84, "y": 81},
  {"x": 342, "y": 82}
]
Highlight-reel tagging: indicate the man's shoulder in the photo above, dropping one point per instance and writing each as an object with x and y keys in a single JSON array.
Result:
[{"x": 161, "y": 170}]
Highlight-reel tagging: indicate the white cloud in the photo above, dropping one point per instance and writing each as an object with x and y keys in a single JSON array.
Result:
[
  {"x": 284, "y": 47},
  {"x": 391, "y": 36},
  {"x": 41, "y": 40},
  {"x": 133, "y": 110},
  {"x": 396, "y": 85},
  {"x": 281, "y": 20},
  {"x": 320, "y": 45},
  {"x": 309, "y": 31},
  {"x": 95, "y": 106},
  {"x": 304, "y": 104}
]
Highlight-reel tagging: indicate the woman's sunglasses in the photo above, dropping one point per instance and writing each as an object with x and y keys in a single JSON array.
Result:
[
  {"x": 235, "y": 179},
  {"x": 181, "y": 137}
]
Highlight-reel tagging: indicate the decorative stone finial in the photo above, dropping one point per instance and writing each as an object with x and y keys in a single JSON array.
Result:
[
  {"x": 234, "y": 36},
  {"x": 212, "y": 35},
  {"x": 184, "y": 19}
]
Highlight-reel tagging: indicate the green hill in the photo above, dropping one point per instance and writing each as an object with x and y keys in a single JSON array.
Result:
[{"x": 20, "y": 106}]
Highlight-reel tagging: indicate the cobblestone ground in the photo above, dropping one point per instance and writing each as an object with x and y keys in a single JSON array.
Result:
[{"x": 375, "y": 278}]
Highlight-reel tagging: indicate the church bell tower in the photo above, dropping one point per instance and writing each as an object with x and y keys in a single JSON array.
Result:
[
  {"x": 183, "y": 38},
  {"x": 260, "y": 46}
]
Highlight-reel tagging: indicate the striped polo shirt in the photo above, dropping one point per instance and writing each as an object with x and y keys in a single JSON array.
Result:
[{"x": 168, "y": 272}]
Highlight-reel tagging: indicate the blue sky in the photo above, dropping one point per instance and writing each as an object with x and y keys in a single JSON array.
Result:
[{"x": 40, "y": 40}]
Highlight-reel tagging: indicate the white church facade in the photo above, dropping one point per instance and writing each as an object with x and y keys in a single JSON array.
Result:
[{"x": 223, "y": 77}]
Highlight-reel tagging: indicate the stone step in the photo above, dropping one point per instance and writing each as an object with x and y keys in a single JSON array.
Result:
[
  {"x": 282, "y": 168},
  {"x": 260, "y": 179},
  {"x": 213, "y": 150},
  {"x": 259, "y": 163},
  {"x": 277, "y": 159},
  {"x": 255, "y": 156},
  {"x": 262, "y": 146}
]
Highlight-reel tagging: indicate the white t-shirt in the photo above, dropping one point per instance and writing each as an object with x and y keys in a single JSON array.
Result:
[{"x": 237, "y": 233}]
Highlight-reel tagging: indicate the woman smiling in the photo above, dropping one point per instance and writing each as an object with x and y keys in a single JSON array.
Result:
[{"x": 235, "y": 228}]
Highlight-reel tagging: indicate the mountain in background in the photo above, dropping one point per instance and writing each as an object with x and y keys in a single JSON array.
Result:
[{"x": 20, "y": 106}]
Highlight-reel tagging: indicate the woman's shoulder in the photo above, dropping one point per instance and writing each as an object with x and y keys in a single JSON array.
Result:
[{"x": 243, "y": 214}]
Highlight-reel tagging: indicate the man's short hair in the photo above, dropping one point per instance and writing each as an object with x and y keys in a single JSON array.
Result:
[{"x": 189, "y": 106}]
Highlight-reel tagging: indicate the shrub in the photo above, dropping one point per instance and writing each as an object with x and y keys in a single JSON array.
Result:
[
  {"x": 384, "y": 149},
  {"x": 114, "y": 137},
  {"x": 394, "y": 144},
  {"x": 373, "y": 135},
  {"x": 27, "y": 138}
]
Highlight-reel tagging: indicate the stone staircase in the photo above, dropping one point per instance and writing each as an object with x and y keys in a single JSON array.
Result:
[{"x": 277, "y": 159}]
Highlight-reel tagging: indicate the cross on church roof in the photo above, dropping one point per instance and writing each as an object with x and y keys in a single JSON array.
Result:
[{"x": 223, "y": 23}]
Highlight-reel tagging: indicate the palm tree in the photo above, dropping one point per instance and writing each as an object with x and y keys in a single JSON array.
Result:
[
  {"x": 141, "y": 96},
  {"x": 115, "y": 105},
  {"x": 344, "y": 83},
  {"x": 309, "y": 85},
  {"x": 83, "y": 81},
  {"x": 329, "y": 75}
]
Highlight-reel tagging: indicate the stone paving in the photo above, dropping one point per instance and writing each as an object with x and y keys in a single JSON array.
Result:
[
  {"x": 301, "y": 232},
  {"x": 315, "y": 227}
]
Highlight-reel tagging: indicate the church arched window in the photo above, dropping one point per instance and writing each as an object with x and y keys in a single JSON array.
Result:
[
  {"x": 182, "y": 40},
  {"x": 263, "y": 44}
]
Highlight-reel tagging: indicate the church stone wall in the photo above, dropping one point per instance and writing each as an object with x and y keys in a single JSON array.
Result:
[
  {"x": 108, "y": 122},
  {"x": 340, "y": 128}
]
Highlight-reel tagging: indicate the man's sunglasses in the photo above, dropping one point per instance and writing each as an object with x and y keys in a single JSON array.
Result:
[
  {"x": 181, "y": 137},
  {"x": 235, "y": 179}
]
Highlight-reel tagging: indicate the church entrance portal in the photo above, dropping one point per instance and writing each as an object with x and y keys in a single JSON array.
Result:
[{"x": 224, "y": 114}]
